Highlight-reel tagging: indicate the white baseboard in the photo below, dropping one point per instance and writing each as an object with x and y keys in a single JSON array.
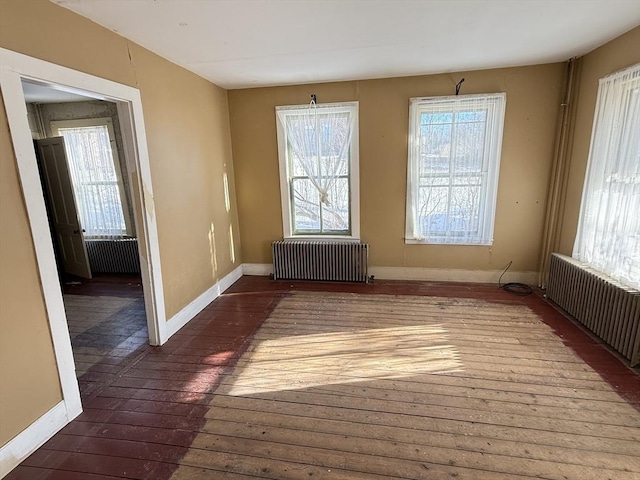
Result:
[
  {"x": 21, "y": 446},
  {"x": 424, "y": 274},
  {"x": 32, "y": 437},
  {"x": 451, "y": 275},
  {"x": 181, "y": 318},
  {"x": 257, "y": 269},
  {"x": 36, "y": 434}
]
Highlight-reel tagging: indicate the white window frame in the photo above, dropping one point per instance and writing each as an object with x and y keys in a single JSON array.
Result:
[
  {"x": 56, "y": 125},
  {"x": 491, "y": 166},
  {"x": 354, "y": 176}
]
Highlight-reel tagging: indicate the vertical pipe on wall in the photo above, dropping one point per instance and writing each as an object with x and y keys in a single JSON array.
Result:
[
  {"x": 559, "y": 169},
  {"x": 40, "y": 122}
]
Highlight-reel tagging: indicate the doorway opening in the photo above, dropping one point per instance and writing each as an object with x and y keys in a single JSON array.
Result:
[
  {"x": 88, "y": 198},
  {"x": 16, "y": 68}
]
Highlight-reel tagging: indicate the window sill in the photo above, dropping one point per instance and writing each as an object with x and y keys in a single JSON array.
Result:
[
  {"x": 323, "y": 238},
  {"x": 415, "y": 241}
]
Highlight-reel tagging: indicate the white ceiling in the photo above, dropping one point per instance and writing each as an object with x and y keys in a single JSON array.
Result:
[
  {"x": 36, "y": 93},
  {"x": 250, "y": 43}
]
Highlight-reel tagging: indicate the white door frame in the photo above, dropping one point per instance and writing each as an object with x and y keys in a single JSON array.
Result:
[{"x": 14, "y": 67}]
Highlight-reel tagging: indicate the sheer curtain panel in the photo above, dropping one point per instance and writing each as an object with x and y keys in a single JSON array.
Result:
[
  {"x": 316, "y": 154},
  {"x": 95, "y": 181},
  {"x": 608, "y": 237},
  {"x": 453, "y": 164}
]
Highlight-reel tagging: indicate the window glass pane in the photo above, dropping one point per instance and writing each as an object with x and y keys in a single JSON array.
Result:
[
  {"x": 435, "y": 148},
  {"x": 102, "y": 211},
  {"x": 432, "y": 210},
  {"x": 297, "y": 168},
  {"x": 302, "y": 145},
  {"x": 334, "y": 133},
  {"x": 465, "y": 116},
  {"x": 111, "y": 207},
  {"x": 469, "y": 146},
  {"x": 465, "y": 208},
  {"x": 90, "y": 150},
  {"x": 335, "y": 213},
  {"x": 436, "y": 117},
  {"x": 306, "y": 206},
  {"x": 332, "y": 165}
]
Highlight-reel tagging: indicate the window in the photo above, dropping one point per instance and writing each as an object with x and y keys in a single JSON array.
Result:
[
  {"x": 452, "y": 172},
  {"x": 608, "y": 237},
  {"x": 318, "y": 152},
  {"x": 95, "y": 174}
]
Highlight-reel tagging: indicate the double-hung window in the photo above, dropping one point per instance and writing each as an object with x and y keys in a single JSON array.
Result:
[
  {"x": 452, "y": 171},
  {"x": 318, "y": 153},
  {"x": 95, "y": 174},
  {"x": 608, "y": 237}
]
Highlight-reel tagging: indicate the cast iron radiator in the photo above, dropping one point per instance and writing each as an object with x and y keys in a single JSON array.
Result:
[
  {"x": 320, "y": 260},
  {"x": 113, "y": 256},
  {"x": 606, "y": 307}
]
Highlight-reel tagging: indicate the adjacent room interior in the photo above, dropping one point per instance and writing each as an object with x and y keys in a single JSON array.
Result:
[
  {"x": 228, "y": 254},
  {"x": 87, "y": 194}
]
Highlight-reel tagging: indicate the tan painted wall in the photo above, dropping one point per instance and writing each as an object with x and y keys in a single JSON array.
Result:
[
  {"x": 189, "y": 141},
  {"x": 615, "y": 55},
  {"x": 29, "y": 383},
  {"x": 190, "y": 151},
  {"x": 531, "y": 116}
]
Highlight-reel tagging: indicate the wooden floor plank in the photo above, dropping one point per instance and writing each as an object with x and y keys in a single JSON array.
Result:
[
  {"x": 134, "y": 433},
  {"x": 83, "y": 463},
  {"x": 117, "y": 448},
  {"x": 23, "y": 472},
  {"x": 447, "y": 385},
  {"x": 405, "y": 400},
  {"x": 235, "y": 422},
  {"x": 291, "y": 380},
  {"x": 511, "y": 373},
  {"x": 374, "y": 451},
  {"x": 210, "y": 462},
  {"x": 358, "y": 463},
  {"x": 185, "y": 472},
  {"x": 463, "y": 427}
]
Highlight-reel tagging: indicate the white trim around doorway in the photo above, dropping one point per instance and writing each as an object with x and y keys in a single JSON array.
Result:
[{"x": 15, "y": 67}]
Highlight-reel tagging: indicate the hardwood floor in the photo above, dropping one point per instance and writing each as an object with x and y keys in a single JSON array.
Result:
[
  {"x": 107, "y": 324},
  {"x": 292, "y": 380},
  {"x": 104, "y": 284}
]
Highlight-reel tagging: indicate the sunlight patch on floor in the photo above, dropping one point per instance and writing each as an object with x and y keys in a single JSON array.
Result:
[{"x": 304, "y": 361}]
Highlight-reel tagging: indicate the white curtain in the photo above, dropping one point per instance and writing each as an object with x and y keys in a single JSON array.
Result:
[
  {"x": 608, "y": 237},
  {"x": 319, "y": 139},
  {"x": 95, "y": 181}
]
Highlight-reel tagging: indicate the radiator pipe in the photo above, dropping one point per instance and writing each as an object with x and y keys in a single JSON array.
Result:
[{"x": 556, "y": 197}]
